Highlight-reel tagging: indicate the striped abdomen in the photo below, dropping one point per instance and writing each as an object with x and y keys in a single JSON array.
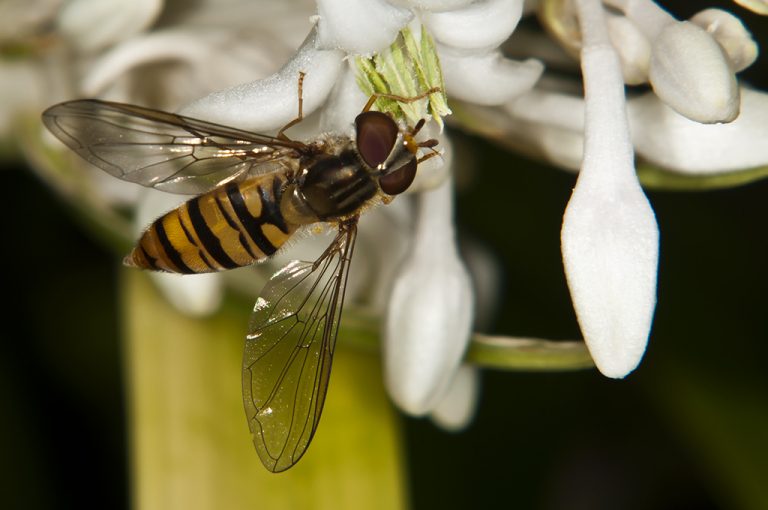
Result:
[{"x": 232, "y": 226}]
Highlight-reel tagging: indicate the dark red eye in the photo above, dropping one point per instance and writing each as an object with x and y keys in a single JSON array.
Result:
[
  {"x": 376, "y": 137},
  {"x": 399, "y": 180}
]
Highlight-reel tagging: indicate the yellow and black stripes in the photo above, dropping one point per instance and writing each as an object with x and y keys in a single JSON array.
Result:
[
  {"x": 209, "y": 241},
  {"x": 269, "y": 214},
  {"x": 231, "y": 226},
  {"x": 173, "y": 255}
]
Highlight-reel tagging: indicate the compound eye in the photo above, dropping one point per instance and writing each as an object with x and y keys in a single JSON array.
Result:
[
  {"x": 376, "y": 137},
  {"x": 399, "y": 180}
]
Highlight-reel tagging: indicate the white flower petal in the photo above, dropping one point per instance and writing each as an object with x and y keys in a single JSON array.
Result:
[
  {"x": 435, "y": 5},
  {"x": 690, "y": 72},
  {"x": 487, "y": 79},
  {"x": 271, "y": 103},
  {"x": 646, "y": 14},
  {"x": 549, "y": 125},
  {"x": 361, "y": 27},
  {"x": 430, "y": 311},
  {"x": 94, "y": 24},
  {"x": 186, "y": 63},
  {"x": 609, "y": 236},
  {"x": 196, "y": 295},
  {"x": 633, "y": 47},
  {"x": 482, "y": 25},
  {"x": 666, "y": 138},
  {"x": 731, "y": 34},
  {"x": 382, "y": 242},
  {"x": 758, "y": 6},
  {"x": 457, "y": 407},
  {"x": 165, "y": 46},
  {"x": 344, "y": 103}
]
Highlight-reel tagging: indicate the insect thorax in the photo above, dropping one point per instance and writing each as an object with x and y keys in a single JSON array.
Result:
[{"x": 335, "y": 184}]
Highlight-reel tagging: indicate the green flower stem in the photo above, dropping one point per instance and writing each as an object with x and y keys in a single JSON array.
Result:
[
  {"x": 360, "y": 329},
  {"x": 655, "y": 178},
  {"x": 528, "y": 354},
  {"x": 190, "y": 445}
]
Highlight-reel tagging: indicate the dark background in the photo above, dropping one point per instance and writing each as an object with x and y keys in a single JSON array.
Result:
[{"x": 687, "y": 430}]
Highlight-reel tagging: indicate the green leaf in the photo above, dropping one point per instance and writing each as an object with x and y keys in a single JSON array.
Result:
[{"x": 191, "y": 447}]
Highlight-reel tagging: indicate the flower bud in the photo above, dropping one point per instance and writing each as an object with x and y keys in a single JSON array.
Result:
[
  {"x": 609, "y": 237},
  {"x": 731, "y": 34},
  {"x": 457, "y": 407},
  {"x": 691, "y": 73},
  {"x": 429, "y": 318}
]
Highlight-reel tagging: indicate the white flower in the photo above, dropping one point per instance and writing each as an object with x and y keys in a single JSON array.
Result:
[
  {"x": 457, "y": 406},
  {"x": 690, "y": 72},
  {"x": 610, "y": 238},
  {"x": 237, "y": 64},
  {"x": 731, "y": 34},
  {"x": 240, "y": 73},
  {"x": 429, "y": 318},
  {"x": 419, "y": 366},
  {"x": 672, "y": 141}
]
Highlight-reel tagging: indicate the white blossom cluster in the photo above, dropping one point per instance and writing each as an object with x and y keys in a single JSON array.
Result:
[{"x": 233, "y": 62}]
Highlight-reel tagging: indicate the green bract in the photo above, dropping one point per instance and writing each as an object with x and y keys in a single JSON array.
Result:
[{"x": 407, "y": 68}]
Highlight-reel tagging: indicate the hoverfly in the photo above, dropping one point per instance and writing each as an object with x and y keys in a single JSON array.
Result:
[{"x": 252, "y": 192}]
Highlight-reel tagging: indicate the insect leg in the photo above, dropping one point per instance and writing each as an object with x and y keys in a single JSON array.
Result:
[
  {"x": 414, "y": 146},
  {"x": 395, "y": 97},
  {"x": 281, "y": 133},
  {"x": 428, "y": 156}
]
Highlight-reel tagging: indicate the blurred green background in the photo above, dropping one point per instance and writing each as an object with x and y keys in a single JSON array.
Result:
[{"x": 687, "y": 430}]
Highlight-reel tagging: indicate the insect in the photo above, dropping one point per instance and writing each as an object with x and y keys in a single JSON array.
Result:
[{"x": 252, "y": 193}]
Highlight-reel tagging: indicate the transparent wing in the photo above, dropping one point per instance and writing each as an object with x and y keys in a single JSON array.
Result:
[
  {"x": 289, "y": 350},
  {"x": 163, "y": 150}
]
